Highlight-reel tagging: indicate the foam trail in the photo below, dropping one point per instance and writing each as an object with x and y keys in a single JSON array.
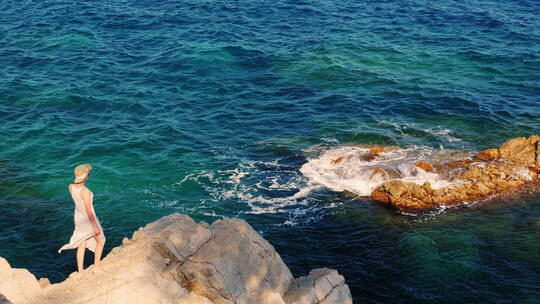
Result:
[{"x": 265, "y": 187}]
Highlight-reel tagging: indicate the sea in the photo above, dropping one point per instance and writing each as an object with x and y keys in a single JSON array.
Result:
[{"x": 229, "y": 109}]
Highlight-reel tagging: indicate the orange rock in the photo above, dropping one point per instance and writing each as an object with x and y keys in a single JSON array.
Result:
[
  {"x": 438, "y": 166},
  {"x": 533, "y": 172},
  {"x": 427, "y": 188},
  {"x": 381, "y": 196},
  {"x": 377, "y": 150},
  {"x": 458, "y": 163},
  {"x": 338, "y": 160},
  {"x": 374, "y": 152},
  {"x": 489, "y": 154},
  {"x": 404, "y": 196},
  {"x": 498, "y": 174},
  {"x": 425, "y": 166},
  {"x": 477, "y": 182},
  {"x": 411, "y": 197},
  {"x": 523, "y": 150}
]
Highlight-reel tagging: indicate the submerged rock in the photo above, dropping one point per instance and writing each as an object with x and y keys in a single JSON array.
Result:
[
  {"x": 176, "y": 260},
  {"x": 370, "y": 155},
  {"x": 434, "y": 258},
  {"x": 374, "y": 152},
  {"x": 495, "y": 171}
]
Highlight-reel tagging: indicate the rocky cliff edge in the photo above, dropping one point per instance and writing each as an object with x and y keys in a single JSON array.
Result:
[{"x": 176, "y": 260}]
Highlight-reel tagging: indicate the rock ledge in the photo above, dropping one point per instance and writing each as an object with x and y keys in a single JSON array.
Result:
[{"x": 176, "y": 260}]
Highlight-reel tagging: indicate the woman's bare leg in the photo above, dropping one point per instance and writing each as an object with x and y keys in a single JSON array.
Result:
[
  {"x": 97, "y": 254},
  {"x": 80, "y": 256}
]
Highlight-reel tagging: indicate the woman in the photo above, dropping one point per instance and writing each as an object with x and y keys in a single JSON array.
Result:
[{"x": 88, "y": 232}]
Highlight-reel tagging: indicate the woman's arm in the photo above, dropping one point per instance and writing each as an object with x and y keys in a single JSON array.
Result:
[{"x": 88, "y": 206}]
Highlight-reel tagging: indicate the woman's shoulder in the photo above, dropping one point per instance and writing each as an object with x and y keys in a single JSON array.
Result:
[{"x": 82, "y": 188}]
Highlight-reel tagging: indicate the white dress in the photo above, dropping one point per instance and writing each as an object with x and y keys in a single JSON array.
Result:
[{"x": 84, "y": 231}]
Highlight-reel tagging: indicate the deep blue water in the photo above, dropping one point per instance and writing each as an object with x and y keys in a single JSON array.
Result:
[{"x": 211, "y": 108}]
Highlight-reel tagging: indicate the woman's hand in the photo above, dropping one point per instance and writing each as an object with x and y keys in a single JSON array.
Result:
[{"x": 96, "y": 231}]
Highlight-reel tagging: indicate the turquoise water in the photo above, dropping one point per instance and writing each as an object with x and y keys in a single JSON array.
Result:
[{"x": 211, "y": 108}]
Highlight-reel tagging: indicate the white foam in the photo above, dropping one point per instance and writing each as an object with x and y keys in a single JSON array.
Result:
[
  {"x": 443, "y": 133},
  {"x": 398, "y": 126},
  {"x": 523, "y": 172},
  {"x": 403, "y": 128},
  {"x": 269, "y": 190},
  {"x": 355, "y": 174}
]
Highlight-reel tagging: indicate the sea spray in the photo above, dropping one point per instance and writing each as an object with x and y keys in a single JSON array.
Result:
[{"x": 348, "y": 168}]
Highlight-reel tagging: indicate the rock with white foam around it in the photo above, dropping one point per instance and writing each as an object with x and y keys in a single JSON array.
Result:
[
  {"x": 176, "y": 260},
  {"x": 514, "y": 164}
]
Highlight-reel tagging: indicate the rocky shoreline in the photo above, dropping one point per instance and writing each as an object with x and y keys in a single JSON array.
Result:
[
  {"x": 176, "y": 260},
  {"x": 495, "y": 171}
]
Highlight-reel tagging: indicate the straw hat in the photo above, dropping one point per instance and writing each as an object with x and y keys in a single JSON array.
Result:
[{"x": 81, "y": 172}]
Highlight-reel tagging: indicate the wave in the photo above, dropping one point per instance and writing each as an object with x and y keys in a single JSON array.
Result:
[
  {"x": 404, "y": 128},
  {"x": 265, "y": 187},
  {"x": 350, "y": 168}
]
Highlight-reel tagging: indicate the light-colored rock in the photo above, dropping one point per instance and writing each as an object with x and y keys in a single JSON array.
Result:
[
  {"x": 44, "y": 283},
  {"x": 175, "y": 260},
  {"x": 236, "y": 265},
  {"x": 136, "y": 272},
  {"x": 3, "y": 300},
  {"x": 17, "y": 285},
  {"x": 321, "y": 286}
]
